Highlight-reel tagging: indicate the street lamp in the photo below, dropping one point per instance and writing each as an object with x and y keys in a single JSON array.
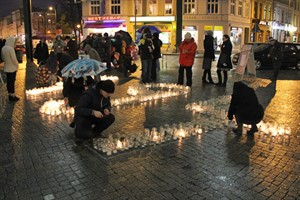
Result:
[{"x": 78, "y": 26}]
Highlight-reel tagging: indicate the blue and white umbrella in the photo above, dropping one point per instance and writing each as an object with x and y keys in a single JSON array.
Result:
[{"x": 82, "y": 68}]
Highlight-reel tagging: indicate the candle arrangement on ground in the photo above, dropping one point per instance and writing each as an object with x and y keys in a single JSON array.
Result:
[
  {"x": 274, "y": 134},
  {"x": 211, "y": 114},
  {"x": 148, "y": 92},
  {"x": 56, "y": 107},
  {"x": 105, "y": 77},
  {"x": 121, "y": 142},
  {"x": 35, "y": 92}
]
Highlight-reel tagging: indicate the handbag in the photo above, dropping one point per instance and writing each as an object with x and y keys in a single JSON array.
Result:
[{"x": 223, "y": 60}]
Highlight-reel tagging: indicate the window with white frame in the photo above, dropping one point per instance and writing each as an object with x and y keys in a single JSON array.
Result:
[
  {"x": 95, "y": 7},
  {"x": 232, "y": 7},
  {"x": 115, "y": 7},
  {"x": 270, "y": 13},
  {"x": 168, "y": 7},
  {"x": 189, "y": 6},
  {"x": 240, "y": 7},
  {"x": 212, "y": 6},
  {"x": 138, "y": 4},
  {"x": 152, "y": 7}
]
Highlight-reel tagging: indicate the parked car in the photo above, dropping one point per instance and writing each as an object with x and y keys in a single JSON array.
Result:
[{"x": 290, "y": 51}]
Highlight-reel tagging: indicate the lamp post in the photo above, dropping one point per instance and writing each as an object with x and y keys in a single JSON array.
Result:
[
  {"x": 78, "y": 26},
  {"x": 28, "y": 33}
]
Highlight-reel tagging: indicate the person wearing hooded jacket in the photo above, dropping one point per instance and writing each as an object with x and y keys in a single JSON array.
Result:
[
  {"x": 187, "y": 50},
  {"x": 245, "y": 107},
  {"x": 11, "y": 66},
  {"x": 93, "y": 108}
]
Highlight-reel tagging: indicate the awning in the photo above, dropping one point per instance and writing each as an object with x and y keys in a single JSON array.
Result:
[{"x": 102, "y": 25}]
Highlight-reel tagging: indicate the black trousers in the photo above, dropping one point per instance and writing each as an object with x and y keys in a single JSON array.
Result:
[
  {"x": 153, "y": 70},
  {"x": 189, "y": 75},
  {"x": 220, "y": 76},
  {"x": 11, "y": 78},
  {"x": 84, "y": 128}
]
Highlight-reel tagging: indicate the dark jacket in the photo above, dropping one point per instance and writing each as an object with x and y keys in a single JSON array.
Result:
[
  {"x": 224, "y": 61},
  {"x": 91, "y": 100},
  {"x": 41, "y": 52},
  {"x": 72, "y": 49},
  {"x": 157, "y": 46},
  {"x": 63, "y": 59},
  {"x": 244, "y": 103},
  {"x": 73, "y": 88},
  {"x": 275, "y": 52},
  {"x": 146, "y": 47},
  {"x": 209, "y": 51}
]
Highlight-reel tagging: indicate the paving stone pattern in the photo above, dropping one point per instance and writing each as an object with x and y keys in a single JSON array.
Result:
[{"x": 39, "y": 159}]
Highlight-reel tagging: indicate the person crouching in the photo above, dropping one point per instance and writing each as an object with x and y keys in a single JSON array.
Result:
[{"x": 92, "y": 112}]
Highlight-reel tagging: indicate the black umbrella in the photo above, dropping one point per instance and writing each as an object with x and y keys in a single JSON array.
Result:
[{"x": 124, "y": 35}]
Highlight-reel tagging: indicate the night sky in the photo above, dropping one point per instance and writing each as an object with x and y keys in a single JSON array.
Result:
[{"x": 6, "y": 6}]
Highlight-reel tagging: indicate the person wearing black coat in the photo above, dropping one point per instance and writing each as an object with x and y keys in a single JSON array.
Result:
[
  {"x": 224, "y": 62},
  {"x": 41, "y": 52},
  {"x": 157, "y": 43},
  {"x": 71, "y": 48},
  {"x": 93, "y": 108},
  {"x": 63, "y": 60},
  {"x": 276, "y": 57},
  {"x": 73, "y": 88},
  {"x": 245, "y": 107},
  {"x": 208, "y": 57}
]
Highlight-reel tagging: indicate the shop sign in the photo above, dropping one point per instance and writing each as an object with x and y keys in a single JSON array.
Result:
[
  {"x": 218, "y": 28},
  {"x": 208, "y": 28},
  {"x": 103, "y": 18}
]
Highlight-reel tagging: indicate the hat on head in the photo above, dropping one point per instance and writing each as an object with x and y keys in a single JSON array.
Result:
[
  {"x": 188, "y": 35},
  {"x": 107, "y": 85}
]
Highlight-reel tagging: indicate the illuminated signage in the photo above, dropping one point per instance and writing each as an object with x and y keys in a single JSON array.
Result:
[{"x": 103, "y": 18}]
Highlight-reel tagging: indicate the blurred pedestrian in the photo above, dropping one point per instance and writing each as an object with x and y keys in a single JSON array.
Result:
[
  {"x": 187, "y": 50},
  {"x": 146, "y": 48},
  {"x": 94, "y": 108},
  {"x": 93, "y": 54},
  {"x": 224, "y": 62},
  {"x": 245, "y": 107},
  {"x": 156, "y": 55},
  {"x": 276, "y": 57},
  {"x": 11, "y": 66},
  {"x": 58, "y": 45},
  {"x": 2, "y": 43},
  {"x": 108, "y": 52},
  {"x": 208, "y": 57},
  {"x": 41, "y": 52},
  {"x": 71, "y": 48}
]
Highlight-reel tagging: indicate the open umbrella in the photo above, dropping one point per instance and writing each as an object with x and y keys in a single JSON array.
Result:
[
  {"x": 124, "y": 35},
  {"x": 82, "y": 68},
  {"x": 153, "y": 29}
]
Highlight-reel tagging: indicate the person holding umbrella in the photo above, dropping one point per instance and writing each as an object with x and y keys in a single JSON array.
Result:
[{"x": 93, "y": 111}]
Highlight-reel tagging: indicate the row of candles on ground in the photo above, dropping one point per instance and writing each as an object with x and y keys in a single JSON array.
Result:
[
  {"x": 35, "y": 92},
  {"x": 120, "y": 142},
  {"x": 56, "y": 107},
  {"x": 148, "y": 92},
  {"x": 274, "y": 134}
]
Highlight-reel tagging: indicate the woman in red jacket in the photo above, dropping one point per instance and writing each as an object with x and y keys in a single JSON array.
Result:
[{"x": 187, "y": 50}]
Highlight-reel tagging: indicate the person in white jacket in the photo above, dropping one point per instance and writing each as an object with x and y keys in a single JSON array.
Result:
[{"x": 11, "y": 66}]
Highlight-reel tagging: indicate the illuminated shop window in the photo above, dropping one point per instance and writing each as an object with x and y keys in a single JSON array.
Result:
[
  {"x": 189, "y": 6},
  {"x": 212, "y": 6},
  {"x": 115, "y": 7}
]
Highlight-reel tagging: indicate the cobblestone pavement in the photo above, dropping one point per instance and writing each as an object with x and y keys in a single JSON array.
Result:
[{"x": 39, "y": 160}]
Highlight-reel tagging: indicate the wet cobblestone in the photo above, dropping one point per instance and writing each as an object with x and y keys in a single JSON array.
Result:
[{"x": 39, "y": 160}]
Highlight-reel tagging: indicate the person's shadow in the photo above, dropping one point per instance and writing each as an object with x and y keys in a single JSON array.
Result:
[
  {"x": 239, "y": 148},
  {"x": 266, "y": 94}
]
